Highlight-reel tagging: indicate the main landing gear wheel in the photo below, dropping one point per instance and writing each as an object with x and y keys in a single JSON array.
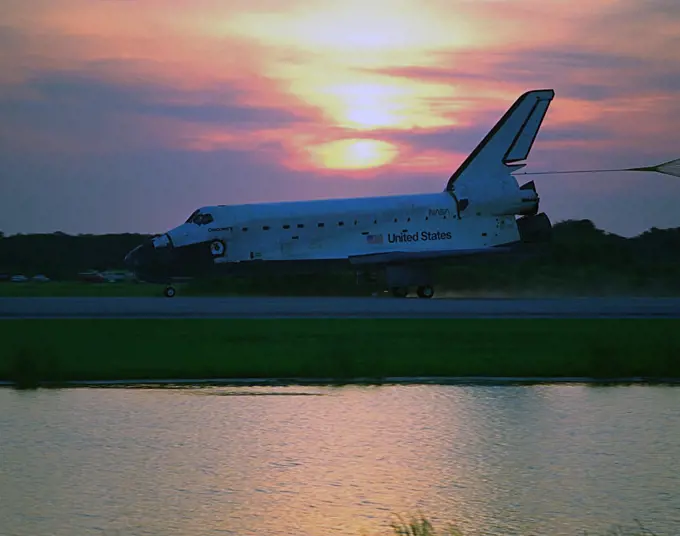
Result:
[
  {"x": 425, "y": 291},
  {"x": 169, "y": 292},
  {"x": 399, "y": 292}
]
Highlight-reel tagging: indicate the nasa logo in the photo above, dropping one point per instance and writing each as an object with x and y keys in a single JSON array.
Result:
[{"x": 438, "y": 212}]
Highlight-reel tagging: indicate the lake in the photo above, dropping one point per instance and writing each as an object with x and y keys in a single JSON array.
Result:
[{"x": 546, "y": 459}]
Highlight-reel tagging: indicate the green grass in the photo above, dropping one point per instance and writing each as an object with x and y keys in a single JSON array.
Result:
[
  {"x": 342, "y": 349},
  {"x": 75, "y": 288}
]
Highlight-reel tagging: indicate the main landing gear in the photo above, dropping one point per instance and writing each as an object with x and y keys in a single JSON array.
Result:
[
  {"x": 169, "y": 291},
  {"x": 401, "y": 277},
  {"x": 424, "y": 291}
]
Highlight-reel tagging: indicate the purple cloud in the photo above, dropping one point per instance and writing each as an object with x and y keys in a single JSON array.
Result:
[{"x": 84, "y": 105}]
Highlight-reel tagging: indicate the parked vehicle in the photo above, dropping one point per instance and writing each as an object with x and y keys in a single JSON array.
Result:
[
  {"x": 113, "y": 277},
  {"x": 91, "y": 277}
]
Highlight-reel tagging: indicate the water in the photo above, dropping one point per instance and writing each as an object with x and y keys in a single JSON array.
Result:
[{"x": 324, "y": 461}]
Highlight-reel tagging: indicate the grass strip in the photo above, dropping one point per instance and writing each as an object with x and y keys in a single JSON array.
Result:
[
  {"x": 32, "y": 351},
  {"x": 62, "y": 289}
]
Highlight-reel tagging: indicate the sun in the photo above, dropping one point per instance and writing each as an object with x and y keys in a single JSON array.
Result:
[
  {"x": 353, "y": 153},
  {"x": 362, "y": 106}
]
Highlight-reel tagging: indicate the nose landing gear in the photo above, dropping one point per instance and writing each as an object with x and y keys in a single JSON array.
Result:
[{"x": 169, "y": 291}]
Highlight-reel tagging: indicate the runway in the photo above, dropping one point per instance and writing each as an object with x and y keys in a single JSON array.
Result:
[{"x": 376, "y": 307}]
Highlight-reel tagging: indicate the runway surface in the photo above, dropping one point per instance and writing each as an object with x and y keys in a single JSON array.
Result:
[{"x": 264, "y": 307}]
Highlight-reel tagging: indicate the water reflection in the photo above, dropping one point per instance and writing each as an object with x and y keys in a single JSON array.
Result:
[{"x": 323, "y": 461}]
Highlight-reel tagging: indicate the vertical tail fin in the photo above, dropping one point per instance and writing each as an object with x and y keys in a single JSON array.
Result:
[{"x": 508, "y": 142}]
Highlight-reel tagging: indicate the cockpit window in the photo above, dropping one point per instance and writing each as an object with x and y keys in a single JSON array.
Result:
[
  {"x": 200, "y": 219},
  {"x": 190, "y": 219}
]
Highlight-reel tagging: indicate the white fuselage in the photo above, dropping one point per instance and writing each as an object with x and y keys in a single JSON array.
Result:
[
  {"x": 400, "y": 235},
  {"x": 343, "y": 228}
]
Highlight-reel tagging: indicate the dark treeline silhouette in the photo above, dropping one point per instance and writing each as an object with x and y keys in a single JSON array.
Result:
[
  {"x": 580, "y": 258},
  {"x": 61, "y": 256}
]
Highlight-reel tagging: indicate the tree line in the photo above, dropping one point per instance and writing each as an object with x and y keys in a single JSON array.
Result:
[
  {"x": 580, "y": 257},
  {"x": 62, "y": 256}
]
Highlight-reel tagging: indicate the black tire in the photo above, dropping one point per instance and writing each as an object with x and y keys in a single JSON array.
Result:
[
  {"x": 169, "y": 292},
  {"x": 425, "y": 291}
]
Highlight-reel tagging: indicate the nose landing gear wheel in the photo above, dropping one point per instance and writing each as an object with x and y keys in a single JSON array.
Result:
[
  {"x": 425, "y": 292},
  {"x": 169, "y": 292}
]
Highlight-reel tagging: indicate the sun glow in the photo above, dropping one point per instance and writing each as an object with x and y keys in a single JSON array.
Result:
[
  {"x": 353, "y": 154},
  {"x": 336, "y": 57},
  {"x": 355, "y": 26},
  {"x": 367, "y": 102},
  {"x": 345, "y": 76}
]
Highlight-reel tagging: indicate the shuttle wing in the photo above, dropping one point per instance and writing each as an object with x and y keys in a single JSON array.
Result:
[{"x": 404, "y": 257}]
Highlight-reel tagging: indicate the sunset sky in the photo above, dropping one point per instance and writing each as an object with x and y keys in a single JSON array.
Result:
[{"x": 126, "y": 115}]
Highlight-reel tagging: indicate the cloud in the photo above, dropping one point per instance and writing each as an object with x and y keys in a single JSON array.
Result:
[
  {"x": 493, "y": 64},
  {"x": 113, "y": 103},
  {"x": 9, "y": 37},
  {"x": 152, "y": 191},
  {"x": 641, "y": 11},
  {"x": 217, "y": 105},
  {"x": 85, "y": 107},
  {"x": 605, "y": 101},
  {"x": 583, "y": 74}
]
